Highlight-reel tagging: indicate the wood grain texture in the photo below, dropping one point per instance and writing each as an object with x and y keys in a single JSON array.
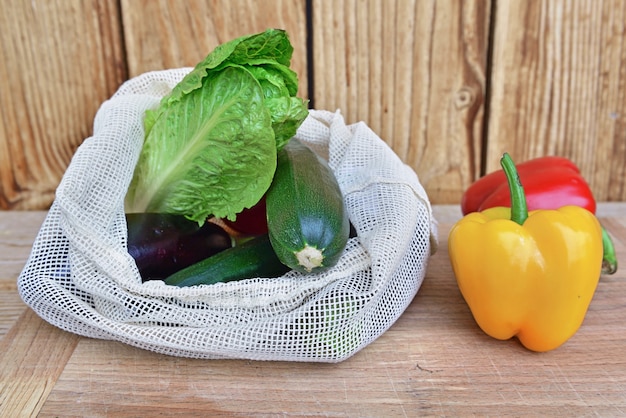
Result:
[
  {"x": 414, "y": 72},
  {"x": 17, "y": 233},
  {"x": 434, "y": 361},
  {"x": 60, "y": 60},
  {"x": 558, "y": 87},
  {"x": 165, "y": 34},
  {"x": 34, "y": 355}
]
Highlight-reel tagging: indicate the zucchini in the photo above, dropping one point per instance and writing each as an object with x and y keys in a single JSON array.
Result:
[
  {"x": 253, "y": 258},
  {"x": 307, "y": 220}
]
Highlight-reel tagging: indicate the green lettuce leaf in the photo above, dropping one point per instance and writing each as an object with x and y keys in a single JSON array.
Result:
[
  {"x": 267, "y": 56},
  {"x": 212, "y": 154},
  {"x": 211, "y": 144},
  {"x": 280, "y": 84}
]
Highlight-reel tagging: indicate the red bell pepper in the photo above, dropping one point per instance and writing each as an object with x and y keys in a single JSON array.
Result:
[{"x": 549, "y": 183}]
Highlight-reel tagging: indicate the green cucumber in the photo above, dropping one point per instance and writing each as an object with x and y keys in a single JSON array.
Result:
[
  {"x": 253, "y": 258},
  {"x": 307, "y": 220}
]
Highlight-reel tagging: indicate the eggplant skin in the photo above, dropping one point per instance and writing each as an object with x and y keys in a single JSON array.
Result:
[{"x": 163, "y": 243}]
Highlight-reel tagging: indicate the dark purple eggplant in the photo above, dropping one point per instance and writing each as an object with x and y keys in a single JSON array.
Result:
[{"x": 163, "y": 244}]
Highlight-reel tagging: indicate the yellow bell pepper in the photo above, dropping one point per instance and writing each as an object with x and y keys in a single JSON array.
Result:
[{"x": 527, "y": 275}]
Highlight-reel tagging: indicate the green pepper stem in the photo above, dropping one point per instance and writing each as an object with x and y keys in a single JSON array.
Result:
[
  {"x": 609, "y": 260},
  {"x": 519, "y": 208}
]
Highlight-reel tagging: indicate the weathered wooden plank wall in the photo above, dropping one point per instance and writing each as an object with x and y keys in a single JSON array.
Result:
[
  {"x": 558, "y": 87},
  {"x": 448, "y": 84},
  {"x": 59, "y": 61},
  {"x": 414, "y": 71},
  {"x": 169, "y": 34}
]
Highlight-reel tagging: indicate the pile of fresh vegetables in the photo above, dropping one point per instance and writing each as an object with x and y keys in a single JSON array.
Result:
[
  {"x": 220, "y": 146},
  {"x": 222, "y": 191}
]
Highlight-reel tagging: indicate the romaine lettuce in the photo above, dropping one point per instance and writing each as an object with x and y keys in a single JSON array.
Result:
[{"x": 210, "y": 146}]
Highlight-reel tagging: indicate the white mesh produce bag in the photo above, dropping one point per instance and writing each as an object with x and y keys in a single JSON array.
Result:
[{"x": 80, "y": 277}]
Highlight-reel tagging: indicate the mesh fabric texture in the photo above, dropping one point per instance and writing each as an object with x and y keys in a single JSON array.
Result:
[{"x": 81, "y": 278}]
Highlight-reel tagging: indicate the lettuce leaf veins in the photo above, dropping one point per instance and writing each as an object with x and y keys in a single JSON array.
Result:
[{"x": 210, "y": 146}]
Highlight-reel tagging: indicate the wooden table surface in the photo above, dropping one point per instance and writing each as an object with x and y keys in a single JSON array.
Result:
[{"x": 434, "y": 361}]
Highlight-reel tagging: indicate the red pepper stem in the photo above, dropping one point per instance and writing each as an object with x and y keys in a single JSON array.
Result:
[{"x": 519, "y": 208}]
